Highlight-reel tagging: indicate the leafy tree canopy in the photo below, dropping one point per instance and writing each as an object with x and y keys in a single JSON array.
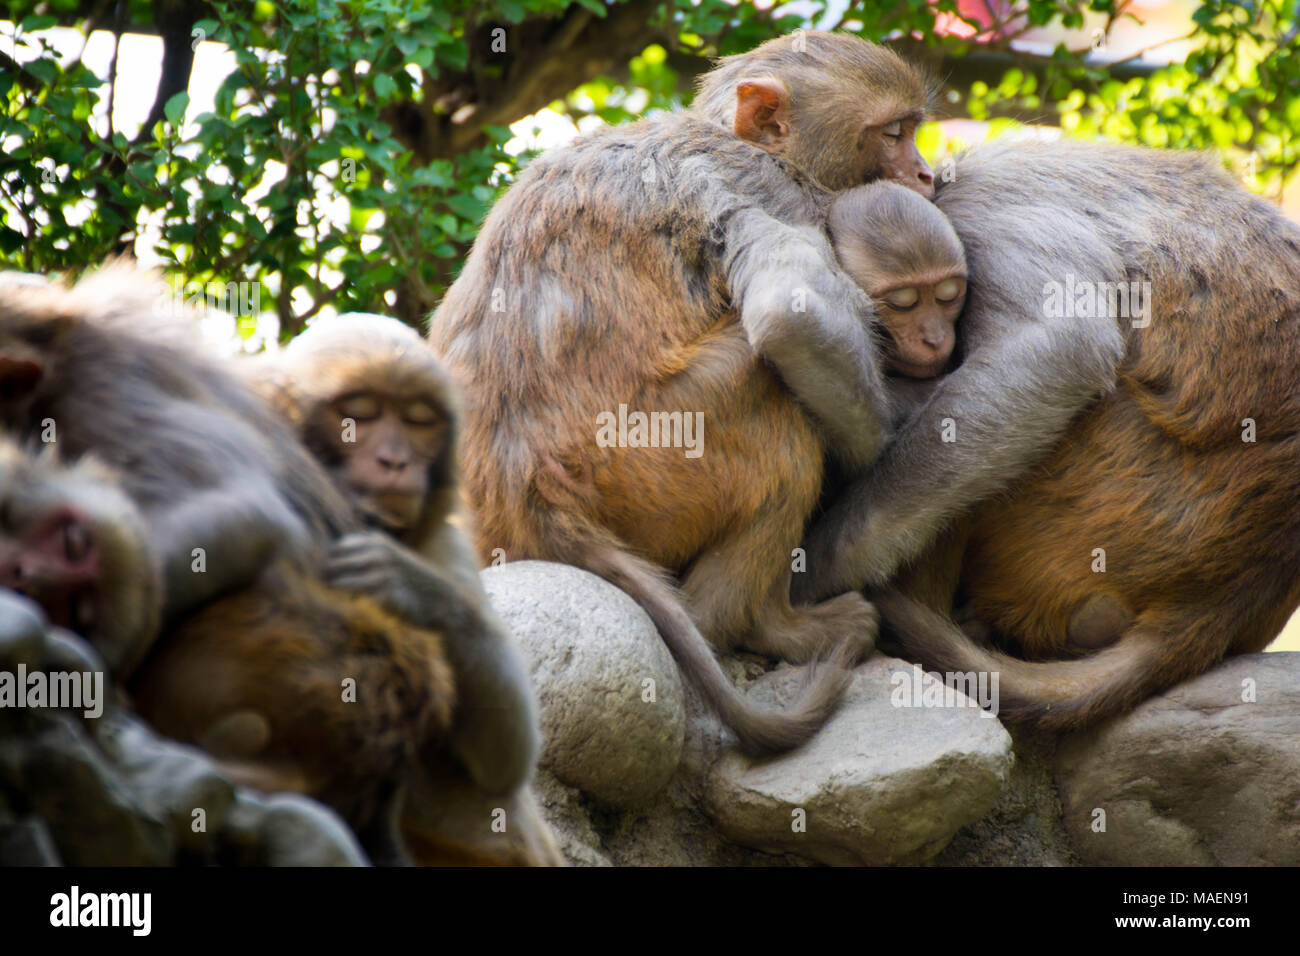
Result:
[{"x": 350, "y": 154}]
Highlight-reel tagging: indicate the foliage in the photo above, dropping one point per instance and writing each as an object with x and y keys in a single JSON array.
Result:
[{"x": 299, "y": 181}]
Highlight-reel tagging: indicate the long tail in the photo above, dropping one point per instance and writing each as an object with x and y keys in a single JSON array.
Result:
[
  {"x": 1054, "y": 694},
  {"x": 758, "y": 729}
]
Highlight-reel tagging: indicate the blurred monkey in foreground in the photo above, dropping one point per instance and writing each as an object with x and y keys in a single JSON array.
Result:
[{"x": 371, "y": 402}]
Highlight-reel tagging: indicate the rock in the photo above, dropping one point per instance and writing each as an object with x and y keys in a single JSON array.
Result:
[
  {"x": 1194, "y": 776},
  {"x": 879, "y": 784},
  {"x": 1024, "y": 827},
  {"x": 595, "y": 659},
  {"x": 671, "y": 830}
]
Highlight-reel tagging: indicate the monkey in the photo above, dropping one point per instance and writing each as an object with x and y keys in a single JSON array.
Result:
[
  {"x": 222, "y": 486},
  {"x": 903, "y": 252},
  {"x": 370, "y": 401},
  {"x": 257, "y": 677},
  {"x": 72, "y": 541},
  {"x": 1131, "y": 521},
  {"x": 680, "y": 267}
]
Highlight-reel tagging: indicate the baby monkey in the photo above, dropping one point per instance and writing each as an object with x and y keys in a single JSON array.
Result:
[{"x": 903, "y": 251}]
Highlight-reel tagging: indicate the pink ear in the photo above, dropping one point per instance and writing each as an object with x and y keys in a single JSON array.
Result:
[
  {"x": 18, "y": 377},
  {"x": 762, "y": 108}
]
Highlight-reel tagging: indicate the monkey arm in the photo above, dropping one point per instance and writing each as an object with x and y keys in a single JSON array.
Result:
[
  {"x": 236, "y": 527},
  {"x": 984, "y": 424},
  {"x": 494, "y": 732},
  {"x": 812, "y": 323}
]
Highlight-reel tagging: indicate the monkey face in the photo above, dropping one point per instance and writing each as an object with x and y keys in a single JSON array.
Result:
[
  {"x": 386, "y": 448},
  {"x": 75, "y": 544},
  {"x": 891, "y": 155},
  {"x": 920, "y": 318}
]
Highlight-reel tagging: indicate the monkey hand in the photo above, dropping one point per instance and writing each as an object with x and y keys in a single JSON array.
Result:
[{"x": 403, "y": 583}]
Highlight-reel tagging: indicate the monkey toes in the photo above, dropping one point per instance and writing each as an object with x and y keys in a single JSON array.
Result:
[{"x": 844, "y": 627}]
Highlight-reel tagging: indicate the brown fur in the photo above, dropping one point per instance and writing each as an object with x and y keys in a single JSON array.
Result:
[
  {"x": 280, "y": 652},
  {"x": 493, "y": 737},
  {"x": 621, "y": 270},
  {"x": 1200, "y": 529}
]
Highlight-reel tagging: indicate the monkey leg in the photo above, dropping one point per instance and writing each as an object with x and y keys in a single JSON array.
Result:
[
  {"x": 766, "y": 471},
  {"x": 739, "y": 594}
]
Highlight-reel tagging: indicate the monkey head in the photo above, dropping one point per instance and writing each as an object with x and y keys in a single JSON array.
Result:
[
  {"x": 374, "y": 405},
  {"x": 837, "y": 108},
  {"x": 905, "y": 254},
  {"x": 75, "y": 543}
]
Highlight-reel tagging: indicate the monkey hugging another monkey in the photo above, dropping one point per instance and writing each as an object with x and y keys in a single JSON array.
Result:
[
  {"x": 1117, "y": 500},
  {"x": 184, "y": 531},
  {"x": 680, "y": 265}
]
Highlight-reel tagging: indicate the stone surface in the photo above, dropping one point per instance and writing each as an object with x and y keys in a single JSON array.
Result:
[
  {"x": 1194, "y": 776},
  {"x": 879, "y": 784},
  {"x": 1024, "y": 827},
  {"x": 596, "y": 660}
]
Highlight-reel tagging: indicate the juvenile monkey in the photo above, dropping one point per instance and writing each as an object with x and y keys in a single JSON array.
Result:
[
  {"x": 372, "y": 403},
  {"x": 904, "y": 253},
  {"x": 680, "y": 265},
  {"x": 1142, "y": 358}
]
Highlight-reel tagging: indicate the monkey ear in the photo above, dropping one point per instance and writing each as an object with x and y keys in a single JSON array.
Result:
[
  {"x": 762, "y": 113},
  {"x": 18, "y": 377}
]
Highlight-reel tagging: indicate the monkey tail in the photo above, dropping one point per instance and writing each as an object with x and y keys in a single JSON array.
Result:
[
  {"x": 1058, "y": 695},
  {"x": 759, "y": 730}
]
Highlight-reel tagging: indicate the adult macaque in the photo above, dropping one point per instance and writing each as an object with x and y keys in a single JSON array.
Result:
[
  {"x": 258, "y": 678},
  {"x": 899, "y": 248},
  {"x": 1161, "y": 534},
  {"x": 679, "y": 266},
  {"x": 74, "y": 542},
  {"x": 222, "y": 485},
  {"x": 369, "y": 399}
]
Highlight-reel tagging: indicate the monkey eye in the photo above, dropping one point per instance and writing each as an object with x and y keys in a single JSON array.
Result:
[
  {"x": 360, "y": 407},
  {"x": 949, "y": 290},
  {"x": 76, "y": 541},
  {"x": 893, "y": 130},
  {"x": 420, "y": 413},
  {"x": 902, "y": 298}
]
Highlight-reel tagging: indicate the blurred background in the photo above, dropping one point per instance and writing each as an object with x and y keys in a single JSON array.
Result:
[{"x": 290, "y": 158}]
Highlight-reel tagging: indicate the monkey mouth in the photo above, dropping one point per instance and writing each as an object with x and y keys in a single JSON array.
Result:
[
  {"x": 393, "y": 511},
  {"x": 900, "y": 368}
]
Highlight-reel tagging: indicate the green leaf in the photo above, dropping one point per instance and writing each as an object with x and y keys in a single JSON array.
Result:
[
  {"x": 467, "y": 207},
  {"x": 33, "y": 23},
  {"x": 175, "y": 108}
]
